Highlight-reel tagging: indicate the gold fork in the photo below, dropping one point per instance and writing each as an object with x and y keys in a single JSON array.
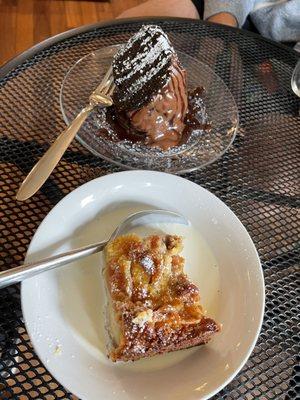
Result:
[{"x": 43, "y": 168}]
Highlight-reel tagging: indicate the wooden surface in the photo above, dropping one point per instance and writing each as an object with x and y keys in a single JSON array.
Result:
[{"x": 24, "y": 23}]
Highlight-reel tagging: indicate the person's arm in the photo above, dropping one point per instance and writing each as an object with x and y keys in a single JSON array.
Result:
[
  {"x": 228, "y": 12},
  {"x": 163, "y": 8},
  {"x": 224, "y": 19}
]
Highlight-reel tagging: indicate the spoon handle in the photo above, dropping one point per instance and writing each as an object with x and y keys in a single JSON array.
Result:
[
  {"x": 43, "y": 168},
  {"x": 18, "y": 274}
]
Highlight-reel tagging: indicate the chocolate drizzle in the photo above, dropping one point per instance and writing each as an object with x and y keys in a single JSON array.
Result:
[
  {"x": 196, "y": 117},
  {"x": 119, "y": 129}
]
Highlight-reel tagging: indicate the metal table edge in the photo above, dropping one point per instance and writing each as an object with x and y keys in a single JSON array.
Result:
[{"x": 32, "y": 51}]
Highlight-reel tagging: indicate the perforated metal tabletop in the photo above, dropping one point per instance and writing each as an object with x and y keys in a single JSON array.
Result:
[{"x": 258, "y": 178}]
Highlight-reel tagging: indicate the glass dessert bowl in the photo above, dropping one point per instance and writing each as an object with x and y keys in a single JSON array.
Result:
[{"x": 201, "y": 143}]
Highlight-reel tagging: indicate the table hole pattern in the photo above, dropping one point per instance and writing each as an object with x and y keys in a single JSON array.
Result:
[{"x": 258, "y": 178}]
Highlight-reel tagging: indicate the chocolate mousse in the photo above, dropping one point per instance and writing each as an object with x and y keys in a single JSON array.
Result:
[
  {"x": 151, "y": 104},
  {"x": 151, "y": 94}
]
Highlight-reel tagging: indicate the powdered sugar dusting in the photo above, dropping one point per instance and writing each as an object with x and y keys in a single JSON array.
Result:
[
  {"x": 147, "y": 57},
  {"x": 148, "y": 264},
  {"x": 143, "y": 58},
  {"x": 138, "y": 83},
  {"x": 150, "y": 30}
]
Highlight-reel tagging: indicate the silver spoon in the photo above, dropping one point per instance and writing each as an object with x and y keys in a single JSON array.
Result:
[
  {"x": 25, "y": 271},
  {"x": 43, "y": 168}
]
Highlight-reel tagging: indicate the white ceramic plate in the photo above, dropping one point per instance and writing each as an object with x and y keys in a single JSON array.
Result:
[{"x": 63, "y": 308}]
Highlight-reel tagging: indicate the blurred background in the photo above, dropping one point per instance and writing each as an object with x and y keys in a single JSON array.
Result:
[{"x": 24, "y": 23}]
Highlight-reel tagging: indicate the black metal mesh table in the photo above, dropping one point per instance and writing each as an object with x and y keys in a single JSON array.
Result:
[{"x": 258, "y": 178}]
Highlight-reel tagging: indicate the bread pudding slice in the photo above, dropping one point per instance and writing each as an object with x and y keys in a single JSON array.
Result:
[{"x": 153, "y": 306}]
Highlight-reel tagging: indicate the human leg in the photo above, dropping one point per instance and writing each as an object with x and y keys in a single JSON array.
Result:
[{"x": 163, "y": 8}]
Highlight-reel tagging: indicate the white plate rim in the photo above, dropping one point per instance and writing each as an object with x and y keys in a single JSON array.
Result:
[{"x": 130, "y": 172}]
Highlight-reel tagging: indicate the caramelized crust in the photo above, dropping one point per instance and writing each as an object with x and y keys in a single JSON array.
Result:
[{"x": 156, "y": 306}]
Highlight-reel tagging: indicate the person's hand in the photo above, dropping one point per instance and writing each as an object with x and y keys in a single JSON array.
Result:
[{"x": 224, "y": 19}]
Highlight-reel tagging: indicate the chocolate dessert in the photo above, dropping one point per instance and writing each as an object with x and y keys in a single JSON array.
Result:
[
  {"x": 151, "y": 102},
  {"x": 151, "y": 87}
]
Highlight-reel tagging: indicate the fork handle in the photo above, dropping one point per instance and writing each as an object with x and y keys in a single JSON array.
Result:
[
  {"x": 43, "y": 168},
  {"x": 25, "y": 271}
]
